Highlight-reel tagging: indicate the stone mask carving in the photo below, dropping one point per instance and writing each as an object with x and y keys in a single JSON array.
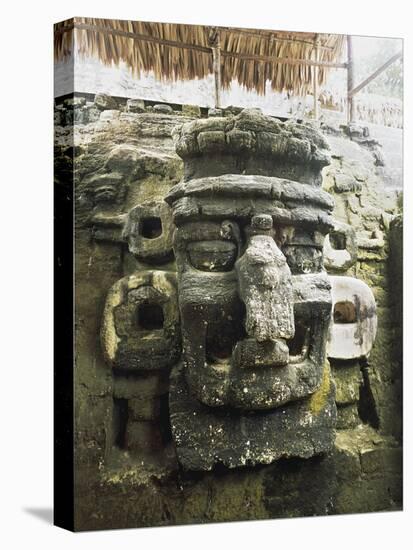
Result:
[{"x": 255, "y": 303}]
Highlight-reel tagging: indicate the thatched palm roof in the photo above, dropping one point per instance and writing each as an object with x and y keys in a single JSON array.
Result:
[{"x": 183, "y": 52}]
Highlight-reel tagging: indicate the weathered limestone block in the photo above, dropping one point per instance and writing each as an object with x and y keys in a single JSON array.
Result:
[
  {"x": 162, "y": 108},
  {"x": 191, "y": 110},
  {"x": 370, "y": 471},
  {"x": 372, "y": 241},
  {"x": 149, "y": 232},
  {"x": 58, "y": 118},
  {"x": 354, "y": 321},
  {"x": 381, "y": 460},
  {"x": 91, "y": 114},
  {"x": 75, "y": 102},
  {"x": 356, "y": 131},
  {"x": 344, "y": 183},
  {"x": 109, "y": 115},
  {"x": 340, "y": 248},
  {"x": 215, "y": 113},
  {"x": 106, "y": 187},
  {"x": 135, "y": 106},
  {"x": 238, "y": 196},
  {"x": 348, "y": 380},
  {"x": 140, "y": 329},
  {"x": 79, "y": 115},
  {"x": 210, "y": 141},
  {"x": 123, "y": 158},
  {"x": 108, "y": 227},
  {"x": 104, "y": 101}
]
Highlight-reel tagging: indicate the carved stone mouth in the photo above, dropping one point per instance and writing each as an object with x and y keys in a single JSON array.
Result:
[
  {"x": 248, "y": 353},
  {"x": 253, "y": 376}
]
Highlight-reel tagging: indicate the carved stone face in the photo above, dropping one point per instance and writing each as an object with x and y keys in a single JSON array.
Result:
[
  {"x": 254, "y": 299},
  {"x": 255, "y": 308}
]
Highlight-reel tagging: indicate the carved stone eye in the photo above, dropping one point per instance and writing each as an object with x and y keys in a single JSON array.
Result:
[
  {"x": 151, "y": 227},
  {"x": 149, "y": 316},
  {"x": 212, "y": 255}
]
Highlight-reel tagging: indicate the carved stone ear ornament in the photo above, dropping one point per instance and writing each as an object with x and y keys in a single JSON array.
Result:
[
  {"x": 140, "y": 329},
  {"x": 353, "y": 324}
]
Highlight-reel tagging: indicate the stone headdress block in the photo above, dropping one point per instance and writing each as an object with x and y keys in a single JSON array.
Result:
[
  {"x": 240, "y": 196},
  {"x": 252, "y": 143}
]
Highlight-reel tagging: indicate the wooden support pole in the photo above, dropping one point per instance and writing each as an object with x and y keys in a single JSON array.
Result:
[
  {"x": 315, "y": 82},
  {"x": 350, "y": 80},
  {"x": 215, "y": 44},
  {"x": 216, "y": 53}
]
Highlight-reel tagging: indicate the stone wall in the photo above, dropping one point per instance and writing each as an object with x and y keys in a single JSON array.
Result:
[{"x": 127, "y": 474}]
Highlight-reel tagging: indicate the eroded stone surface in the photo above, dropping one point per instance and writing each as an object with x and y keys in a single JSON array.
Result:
[{"x": 205, "y": 437}]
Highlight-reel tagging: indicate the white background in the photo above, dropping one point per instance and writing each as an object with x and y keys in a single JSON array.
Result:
[{"x": 26, "y": 110}]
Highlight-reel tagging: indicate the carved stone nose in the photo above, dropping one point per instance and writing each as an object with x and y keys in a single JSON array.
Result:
[{"x": 265, "y": 287}]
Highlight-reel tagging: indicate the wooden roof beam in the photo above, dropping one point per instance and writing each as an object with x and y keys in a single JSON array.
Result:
[
  {"x": 376, "y": 73},
  {"x": 137, "y": 36},
  {"x": 274, "y": 36},
  {"x": 287, "y": 60}
]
